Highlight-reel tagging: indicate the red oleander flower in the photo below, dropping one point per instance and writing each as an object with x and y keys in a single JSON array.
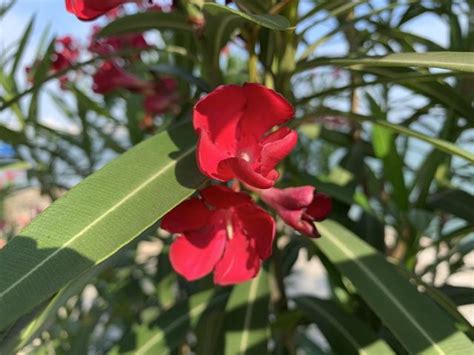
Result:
[
  {"x": 110, "y": 77},
  {"x": 87, "y": 10},
  {"x": 223, "y": 232},
  {"x": 234, "y": 124},
  {"x": 299, "y": 207},
  {"x": 66, "y": 53},
  {"x": 162, "y": 97},
  {"x": 158, "y": 104},
  {"x": 113, "y": 44}
]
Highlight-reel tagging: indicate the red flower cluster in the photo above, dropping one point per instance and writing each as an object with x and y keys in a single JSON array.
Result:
[
  {"x": 223, "y": 231},
  {"x": 160, "y": 95},
  {"x": 114, "y": 44},
  {"x": 66, "y": 53},
  {"x": 111, "y": 77},
  {"x": 241, "y": 136}
]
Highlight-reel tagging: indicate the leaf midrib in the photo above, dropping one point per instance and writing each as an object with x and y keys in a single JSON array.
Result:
[
  {"x": 248, "y": 314},
  {"x": 97, "y": 221},
  {"x": 380, "y": 285}
]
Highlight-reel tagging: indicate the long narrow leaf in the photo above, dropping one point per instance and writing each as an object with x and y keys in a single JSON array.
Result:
[
  {"x": 440, "y": 144},
  {"x": 97, "y": 218},
  {"x": 462, "y": 61},
  {"x": 346, "y": 334},
  {"x": 246, "y": 323},
  {"x": 170, "y": 328},
  {"x": 418, "y": 323}
]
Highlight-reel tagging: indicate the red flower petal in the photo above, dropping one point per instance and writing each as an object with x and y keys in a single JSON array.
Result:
[
  {"x": 110, "y": 77},
  {"x": 260, "y": 226},
  {"x": 189, "y": 215},
  {"x": 276, "y": 150},
  {"x": 70, "y": 5},
  {"x": 90, "y": 9},
  {"x": 294, "y": 205},
  {"x": 320, "y": 207},
  {"x": 208, "y": 156},
  {"x": 244, "y": 171},
  {"x": 297, "y": 220},
  {"x": 292, "y": 198},
  {"x": 218, "y": 115},
  {"x": 265, "y": 109},
  {"x": 222, "y": 197},
  {"x": 195, "y": 254},
  {"x": 240, "y": 261}
]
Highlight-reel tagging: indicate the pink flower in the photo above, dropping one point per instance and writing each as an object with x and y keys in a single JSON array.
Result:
[
  {"x": 299, "y": 207},
  {"x": 110, "y": 77},
  {"x": 162, "y": 98},
  {"x": 223, "y": 232},
  {"x": 113, "y": 44},
  {"x": 234, "y": 124}
]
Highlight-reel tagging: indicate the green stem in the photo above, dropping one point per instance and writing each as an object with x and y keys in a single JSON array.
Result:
[
  {"x": 253, "y": 58},
  {"x": 282, "y": 302}
]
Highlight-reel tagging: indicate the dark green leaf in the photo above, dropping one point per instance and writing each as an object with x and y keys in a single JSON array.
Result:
[
  {"x": 345, "y": 333},
  {"x": 418, "y": 323},
  {"x": 274, "y": 22}
]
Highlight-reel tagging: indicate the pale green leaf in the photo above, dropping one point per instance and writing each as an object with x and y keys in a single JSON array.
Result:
[{"x": 462, "y": 61}]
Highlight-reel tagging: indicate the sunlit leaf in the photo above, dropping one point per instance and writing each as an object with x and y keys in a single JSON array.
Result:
[{"x": 95, "y": 219}]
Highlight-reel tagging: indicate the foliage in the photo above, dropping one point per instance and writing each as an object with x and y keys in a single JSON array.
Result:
[{"x": 385, "y": 129}]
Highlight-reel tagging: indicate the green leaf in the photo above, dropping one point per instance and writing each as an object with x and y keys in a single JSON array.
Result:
[
  {"x": 345, "y": 333},
  {"x": 385, "y": 148},
  {"x": 273, "y": 22},
  {"x": 419, "y": 325},
  {"x": 382, "y": 141},
  {"x": 246, "y": 324},
  {"x": 459, "y": 295},
  {"x": 436, "y": 90},
  {"x": 462, "y": 61},
  {"x": 457, "y": 202},
  {"x": 22, "y": 46},
  {"x": 11, "y": 137},
  {"x": 96, "y": 218},
  {"x": 5, "y": 7},
  {"x": 44, "y": 318},
  {"x": 147, "y": 21},
  {"x": 440, "y": 144},
  {"x": 171, "y": 327}
]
